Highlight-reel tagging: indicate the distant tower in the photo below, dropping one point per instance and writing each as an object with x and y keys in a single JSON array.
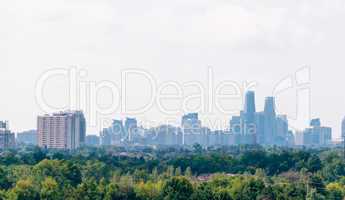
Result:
[
  {"x": 249, "y": 113},
  {"x": 131, "y": 128},
  {"x": 249, "y": 107},
  {"x": 270, "y": 120},
  {"x": 343, "y": 133}
]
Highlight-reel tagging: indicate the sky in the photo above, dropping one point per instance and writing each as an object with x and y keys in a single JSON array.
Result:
[{"x": 271, "y": 43}]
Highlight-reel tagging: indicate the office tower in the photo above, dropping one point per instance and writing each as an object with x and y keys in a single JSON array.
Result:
[
  {"x": 282, "y": 130},
  {"x": 270, "y": 128},
  {"x": 249, "y": 113},
  {"x": 299, "y": 138},
  {"x": 106, "y": 137},
  {"x": 236, "y": 125},
  {"x": 315, "y": 122},
  {"x": 249, "y": 107},
  {"x": 118, "y": 132},
  {"x": 191, "y": 128},
  {"x": 316, "y": 135},
  {"x": 63, "y": 130},
  {"x": 131, "y": 127},
  {"x": 27, "y": 137},
  {"x": 118, "y": 129},
  {"x": 343, "y": 128},
  {"x": 92, "y": 140},
  {"x": 7, "y": 138},
  {"x": 260, "y": 127},
  {"x": 343, "y": 135},
  {"x": 191, "y": 123},
  {"x": 4, "y": 125}
]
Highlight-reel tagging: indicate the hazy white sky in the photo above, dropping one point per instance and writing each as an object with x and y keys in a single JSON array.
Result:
[{"x": 262, "y": 41}]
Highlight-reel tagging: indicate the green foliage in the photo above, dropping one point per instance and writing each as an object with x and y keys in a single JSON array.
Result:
[
  {"x": 238, "y": 173},
  {"x": 50, "y": 190},
  {"x": 177, "y": 188},
  {"x": 24, "y": 190}
]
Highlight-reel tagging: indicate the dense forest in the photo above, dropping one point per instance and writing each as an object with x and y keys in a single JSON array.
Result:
[{"x": 143, "y": 173}]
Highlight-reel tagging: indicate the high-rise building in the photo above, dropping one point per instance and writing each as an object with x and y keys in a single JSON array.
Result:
[
  {"x": 343, "y": 135},
  {"x": 4, "y": 125},
  {"x": 190, "y": 123},
  {"x": 191, "y": 128},
  {"x": 316, "y": 135},
  {"x": 236, "y": 125},
  {"x": 27, "y": 137},
  {"x": 106, "y": 137},
  {"x": 343, "y": 128},
  {"x": 63, "y": 130},
  {"x": 270, "y": 128},
  {"x": 249, "y": 107},
  {"x": 7, "y": 138},
  {"x": 92, "y": 140},
  {"x": 282, "y": 130},
  {"x": 260, "y": 127},
  {"x": 131, "y": 127}
]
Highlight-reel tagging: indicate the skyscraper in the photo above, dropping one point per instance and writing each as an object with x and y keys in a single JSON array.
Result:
[
  {"x": 343, "y": 135},
  {"x": 7, "y": 138},
  {"x": 131, "y": 127},
  {"x": 270, "y": 128},
  {"x": 64, "y": 130},
  {"x": 343, "y": 128},
  {"x": 249, "y": 106},
  {"x": 249, "y": 113},
  {"x": 316, "y": 135}
]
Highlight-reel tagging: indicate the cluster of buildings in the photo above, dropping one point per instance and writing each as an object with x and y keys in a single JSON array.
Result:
[
  {"x": 315, "y": 135},
  {"x": 120, "y": 132},
  {"x": 7, "y": 138},
  {"x": 250, "y": 127},
  {"x": 265, "y": 127},
  {"x": 67, "y": 130}
]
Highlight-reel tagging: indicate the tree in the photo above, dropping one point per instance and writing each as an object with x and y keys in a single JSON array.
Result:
[
  {"x": 222, "y": 194},
  {"x": 88, "y": 190},
  {"x": 188, "y": 172},
  {"x": 24, "y": 190},
  {"x": 120, "y": 192},
  {"x": 4, "y": 181},
  {"x": 203, "y": 192},
  {"x": 197, "y": 148},
  {"x": 50, "y": 190},
  {"x": 314, "y": 195},
  {"x": 72, "y": 173},
  {"x": 177, "y": 188},
  {"x": 248, "y": 189},
  {"x": 335, "y": 191},
  {"x": 148, "y": 191},
  {"x": 316, "y": 183},
  {"x": 178, "y": 171},
  {"x": 314, "y": 164}
]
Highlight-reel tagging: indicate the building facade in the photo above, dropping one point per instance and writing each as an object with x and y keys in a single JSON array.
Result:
[
  {"x": 265, "y": 127},
  {"x": 64, "y": 130},
  {"x": 7, "y": 138},
  {"x": 315, "y": 136},
  {"x": 27, "y": 137}
]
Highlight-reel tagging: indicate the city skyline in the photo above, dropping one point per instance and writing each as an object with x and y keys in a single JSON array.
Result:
[
  {"x": 173, "y": 100},
  {"x": 67, "y": 130},
  {"x": 242, "y": 41}
]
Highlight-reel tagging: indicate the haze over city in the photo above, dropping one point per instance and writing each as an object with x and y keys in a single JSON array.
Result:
[
  {"x": 172, "y": 100},
  {"x": 241, "y": 41}
]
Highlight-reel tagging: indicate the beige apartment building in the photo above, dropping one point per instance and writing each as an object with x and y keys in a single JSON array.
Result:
[{"x": 63, "y": 130}]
